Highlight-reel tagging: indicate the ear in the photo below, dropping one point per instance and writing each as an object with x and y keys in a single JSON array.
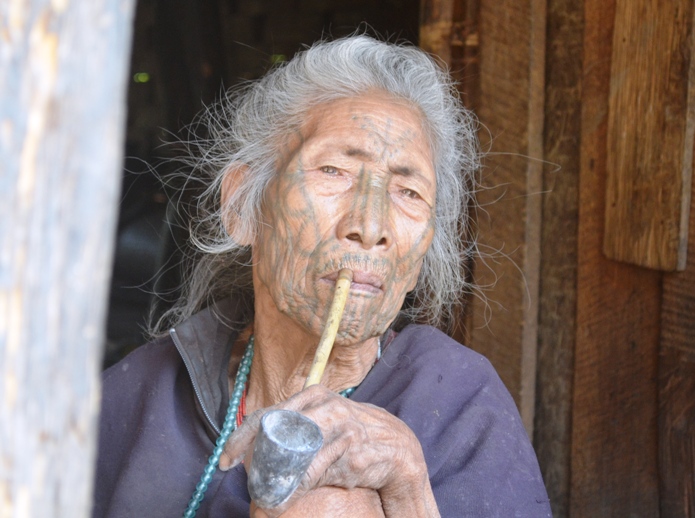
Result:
[{"x": 231, "y": 182}]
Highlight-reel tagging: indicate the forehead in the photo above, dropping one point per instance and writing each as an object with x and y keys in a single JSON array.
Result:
[{"x": 373, "y": 126}]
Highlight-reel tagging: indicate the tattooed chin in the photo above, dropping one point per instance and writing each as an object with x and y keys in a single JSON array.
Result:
[
  {"x": 366, "y": 318},
  {"x": 354, "y": 330},
  {"x": 363, "y": 318}
]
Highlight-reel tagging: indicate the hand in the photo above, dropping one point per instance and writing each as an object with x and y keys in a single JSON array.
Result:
[
  {"x": 330, "y": 502},
  {"x": 364, "y": 447}
]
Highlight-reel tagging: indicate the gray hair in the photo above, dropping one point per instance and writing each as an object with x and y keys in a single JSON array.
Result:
[{"x": 248, "y": 125}]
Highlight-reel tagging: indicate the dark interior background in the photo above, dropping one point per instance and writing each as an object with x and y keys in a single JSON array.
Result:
[{"x": 184, "y": 55}]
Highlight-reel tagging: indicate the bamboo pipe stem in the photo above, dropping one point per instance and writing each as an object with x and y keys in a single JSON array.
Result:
[{"x": 323, "y": 351}]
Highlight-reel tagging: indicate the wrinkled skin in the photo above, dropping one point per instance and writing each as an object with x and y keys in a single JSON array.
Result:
[
  {"x": 356, "y": 188},
  {"x": 358, "y": 192},
  {"x": 370, "y": 454}
]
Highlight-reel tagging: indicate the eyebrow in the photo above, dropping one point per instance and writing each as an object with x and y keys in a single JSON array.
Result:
[{"x": 361, "y": 153}]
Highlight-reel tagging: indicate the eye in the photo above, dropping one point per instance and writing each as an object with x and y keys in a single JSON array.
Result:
[
  {"x": 328, "y": 169},
  {"x": 411, "y": 194}
]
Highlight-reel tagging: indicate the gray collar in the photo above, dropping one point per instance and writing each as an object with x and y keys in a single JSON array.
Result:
[{"x": 205, "y": 342}]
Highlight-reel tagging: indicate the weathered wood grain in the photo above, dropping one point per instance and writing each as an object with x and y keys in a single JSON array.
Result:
[
  {"x": 512, "y": 51},
  {"x": 436, "y": 27},
  {"x": 558, "y": 276},
  {"x": 449, "y": 29},
  {"x": 614, "y": 458},
  {"x": 63, "y": 72},
  {"x": 677, "y": 389},
  {"x": 651, "y": 125}
]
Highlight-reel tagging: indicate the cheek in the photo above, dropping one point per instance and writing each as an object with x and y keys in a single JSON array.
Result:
[
  {"x": 289, "y": 236},
  {"x": 413, "y": 248}
]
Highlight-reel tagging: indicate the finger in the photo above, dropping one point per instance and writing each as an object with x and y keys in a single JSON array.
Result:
[
  {"x": 307, "y": 398},
  {"x": 257, "y": 512},
  {"x": 241, "y": 440},
  {"x": 362, "y": 444}
]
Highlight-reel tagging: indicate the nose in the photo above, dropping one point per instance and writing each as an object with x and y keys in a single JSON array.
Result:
[{"x": 367, "y": 219}]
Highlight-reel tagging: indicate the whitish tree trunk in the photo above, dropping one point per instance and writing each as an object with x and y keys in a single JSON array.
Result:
[{"x": 63, "y": 67}]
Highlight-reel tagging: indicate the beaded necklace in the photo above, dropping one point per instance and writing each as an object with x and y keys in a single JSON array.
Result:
[
  {"x": 230, "y": 424},
  {"x": 227, "y": 429}
]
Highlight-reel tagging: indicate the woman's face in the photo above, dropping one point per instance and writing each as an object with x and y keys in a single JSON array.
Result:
[{"x": 357, "y": 191}]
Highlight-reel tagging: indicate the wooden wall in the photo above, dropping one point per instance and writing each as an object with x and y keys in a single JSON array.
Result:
[
  {"x": 63, "y": 72},
  {"x": 586, "y": 230},
  {"x": 587, "y": 106}
]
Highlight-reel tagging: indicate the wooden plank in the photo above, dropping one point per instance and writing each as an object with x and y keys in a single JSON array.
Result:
[
  {"x": 436, "y": 27},
  {"x": 512, "y": 52},
  {"x": 62, "y": 96},
  {"x": 449, "y": 29},
  {"x": 650, "y": 133},
  {"x": 614, "y": 458},
  {"x": 465, "y": 51},
  {"x": 558, "y": 277},
  {"x": 677, "y": 389}
]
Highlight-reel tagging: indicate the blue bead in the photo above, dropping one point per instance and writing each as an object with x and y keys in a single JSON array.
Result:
[
  {"x": 218, "y": 451},
  {"x": 348, "y": 392}
]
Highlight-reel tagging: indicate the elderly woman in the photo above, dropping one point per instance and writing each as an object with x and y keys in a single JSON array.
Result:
[{"x": 356, "y": 154}]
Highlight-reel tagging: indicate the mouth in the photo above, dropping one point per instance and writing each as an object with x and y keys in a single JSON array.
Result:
[{"x": 364, "y": 282}]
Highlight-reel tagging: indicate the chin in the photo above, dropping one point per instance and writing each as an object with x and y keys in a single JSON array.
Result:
[{"x": 357, "y": 332}]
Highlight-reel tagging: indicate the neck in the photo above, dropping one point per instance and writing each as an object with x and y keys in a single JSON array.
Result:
[{"x": 284, "y": 352}]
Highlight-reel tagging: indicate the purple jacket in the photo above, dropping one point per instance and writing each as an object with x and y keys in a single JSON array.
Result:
[{"x": 164, "y": 403}]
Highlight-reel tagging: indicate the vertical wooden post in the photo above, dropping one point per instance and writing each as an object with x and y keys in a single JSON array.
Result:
[
  {"x": 508, "y": 96},
  {"x": 614, "y": 460},
  {"x": 558, "y": 277},
  {"x": 63, "y": 71},
  {"x": 677, "y": 388},
  {"x": 436, "y": 27},
  {"x": 449, "y": 29},
  {"x": 512, "y": 68}
]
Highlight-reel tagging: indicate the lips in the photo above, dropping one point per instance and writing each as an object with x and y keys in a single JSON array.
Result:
[{"x": 361, "y": 281}]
